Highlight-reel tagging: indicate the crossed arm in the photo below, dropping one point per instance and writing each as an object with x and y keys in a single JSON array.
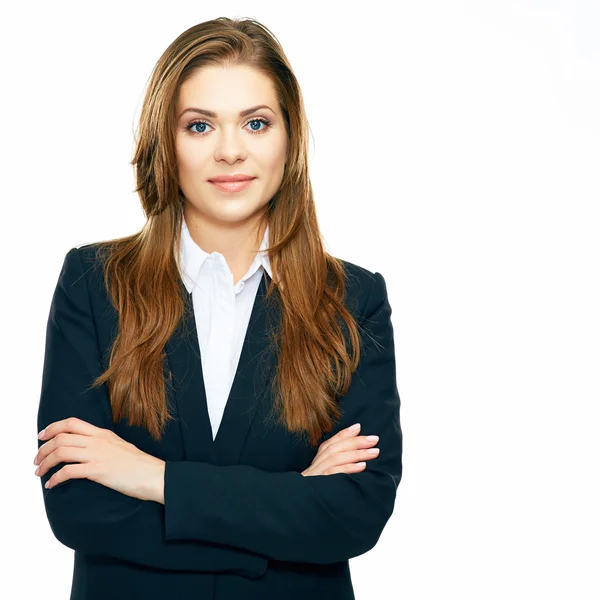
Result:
[{"x": 227, "y": 519}]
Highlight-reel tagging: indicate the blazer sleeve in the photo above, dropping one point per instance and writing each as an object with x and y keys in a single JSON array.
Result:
[
  {"x": 289, "y": 517},
  {"x": 87, "y": 516}
]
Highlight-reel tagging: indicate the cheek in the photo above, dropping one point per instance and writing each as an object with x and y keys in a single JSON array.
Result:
[
  {"x": 274, "y": 160},
  {"x": 190, "y": 160}
]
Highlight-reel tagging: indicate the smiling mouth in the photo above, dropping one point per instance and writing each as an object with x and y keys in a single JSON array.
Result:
[{"x": 232, "y": 186}]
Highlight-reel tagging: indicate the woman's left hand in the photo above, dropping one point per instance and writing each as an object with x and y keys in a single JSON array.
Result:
[{"x": 104, "y": 457}]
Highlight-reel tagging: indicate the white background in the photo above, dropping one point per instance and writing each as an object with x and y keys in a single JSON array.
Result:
[{"x": 454, "y": 149}]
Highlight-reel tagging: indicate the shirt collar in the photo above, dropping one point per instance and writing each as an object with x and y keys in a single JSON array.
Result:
[{"x": 193, "y": 257}]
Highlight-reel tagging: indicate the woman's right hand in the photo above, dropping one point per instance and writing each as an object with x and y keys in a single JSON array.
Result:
[{"x": 342, "y": 453}]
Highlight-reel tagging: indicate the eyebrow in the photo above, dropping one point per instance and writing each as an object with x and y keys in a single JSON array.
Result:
[{"x": 210, "y": 113}]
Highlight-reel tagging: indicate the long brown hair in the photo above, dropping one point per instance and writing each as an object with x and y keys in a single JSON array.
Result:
[{"x": 142, "y": 271}]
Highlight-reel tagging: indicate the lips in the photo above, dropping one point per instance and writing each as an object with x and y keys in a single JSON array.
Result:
[
  {"x": 230, "y": 178},
  {"x": 232, "y": 185}
]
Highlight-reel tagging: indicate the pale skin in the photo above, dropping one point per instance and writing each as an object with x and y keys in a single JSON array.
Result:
[
  {"x": 102, "y": 456},
  {"x": 229, "y": 143},
  {"x": 225, "y": 144}
]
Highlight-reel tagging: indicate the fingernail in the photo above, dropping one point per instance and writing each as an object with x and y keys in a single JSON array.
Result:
[
  {"x": 41, "y": 434},
  {"x": 354, "y": 427},
  {"x": 372, "y": 438}
]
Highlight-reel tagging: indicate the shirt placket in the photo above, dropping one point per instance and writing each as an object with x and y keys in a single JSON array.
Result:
[{"x": 220, "y": 337}]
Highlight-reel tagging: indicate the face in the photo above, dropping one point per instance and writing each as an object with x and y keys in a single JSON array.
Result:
[{"x": 229, "y": 143}]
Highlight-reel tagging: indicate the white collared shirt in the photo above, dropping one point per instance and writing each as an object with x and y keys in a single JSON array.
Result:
[{"x": 222, "y": 312}]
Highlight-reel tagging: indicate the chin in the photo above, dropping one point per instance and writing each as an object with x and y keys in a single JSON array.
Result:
[{"x": 237, "y": 214}]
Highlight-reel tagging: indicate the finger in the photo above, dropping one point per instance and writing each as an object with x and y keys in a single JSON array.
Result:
[
  {"x": 340, "y": 435},
  {"x": 67, "y": 472},
  {"x": 346, "y": 468},
  {"x": 344, "y": 444},
  {"x": 61, "y": 439},
  {"x": 64, "y": 454},
  {"x": 70, "y": 425},
  {"x": 351, "y": 456}
]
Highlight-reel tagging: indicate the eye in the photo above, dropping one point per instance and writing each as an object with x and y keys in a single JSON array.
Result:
[{"x": 190, "y": 126}]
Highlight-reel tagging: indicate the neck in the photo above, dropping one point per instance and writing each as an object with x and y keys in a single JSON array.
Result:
[{"x": 237, "y": 242}]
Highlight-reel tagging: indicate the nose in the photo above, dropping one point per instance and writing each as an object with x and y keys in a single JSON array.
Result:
[{"x": 230, "y": 146}]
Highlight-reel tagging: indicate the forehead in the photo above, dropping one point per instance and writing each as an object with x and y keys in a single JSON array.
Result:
[{"x": 226, "y": 90}]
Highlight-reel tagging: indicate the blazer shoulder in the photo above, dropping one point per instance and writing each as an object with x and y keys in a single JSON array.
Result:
[
  {"x": 366, "y": 286},
  {"x": 90, "y": 258},
  {"x": 358, "y": 272},
  {"x": 90, "y": 254}
]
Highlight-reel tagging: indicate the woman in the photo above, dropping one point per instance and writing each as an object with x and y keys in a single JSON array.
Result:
[{"x": 201, "y": 377}]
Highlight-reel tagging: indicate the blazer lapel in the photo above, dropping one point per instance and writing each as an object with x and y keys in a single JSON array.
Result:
[{"x": 249, "y": 387}]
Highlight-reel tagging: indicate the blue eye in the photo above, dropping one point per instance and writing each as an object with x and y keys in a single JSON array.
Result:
[{"x": 266, "y": 122}]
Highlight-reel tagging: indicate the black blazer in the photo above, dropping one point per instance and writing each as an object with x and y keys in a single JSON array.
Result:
[{"x": 239, "y": 519}]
